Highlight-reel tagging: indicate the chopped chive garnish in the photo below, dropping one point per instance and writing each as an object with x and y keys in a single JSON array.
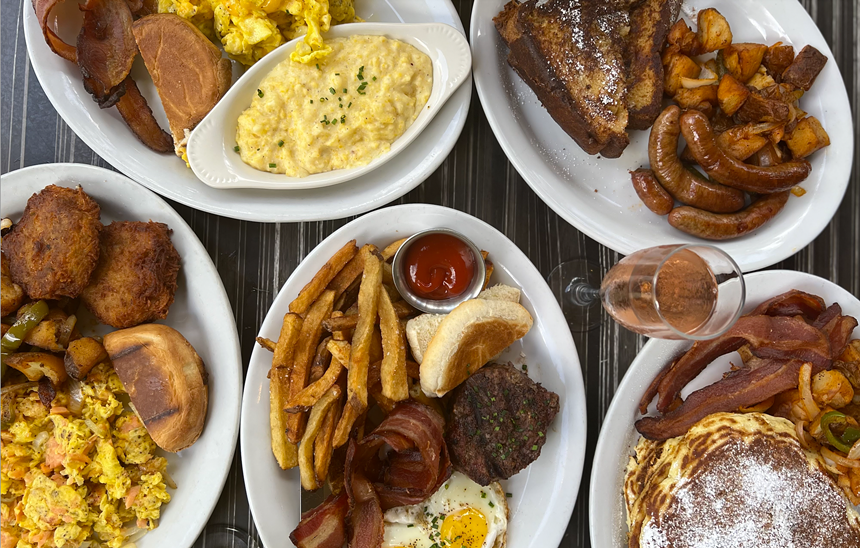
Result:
[
  {"x": 343, "y": 119},
  {"x": 236, "y": 148},
  {"x": 337, "y": 74},
  {"x": 344, "y": 90},
  {"x": 332, "y": 91},
  {"x": 318, "y": 66},
  {"x": 281, "y": 143},
  {"x": 374, "y": 78},
  {"x": 509, "y": 495},
  {"x": 349, "y": 105},
  {"x": 534, "y": 447},
  {"x": 525, "y": 368},
  {"x": 259, "y": 93},
  {"x": 491, "y": 504},
  {"x": 312, "y": 101},
  {"x": 273, "y": 165}
]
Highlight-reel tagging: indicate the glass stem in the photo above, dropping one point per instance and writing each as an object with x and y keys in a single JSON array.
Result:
[{"x": 580, "y": 293}]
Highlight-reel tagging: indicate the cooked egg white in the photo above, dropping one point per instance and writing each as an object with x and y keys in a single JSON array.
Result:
[{"x": 460, "y": 514}]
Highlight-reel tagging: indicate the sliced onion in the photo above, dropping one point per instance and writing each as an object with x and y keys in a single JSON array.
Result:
[
  {"x": 15, "y": 387},
  {"x": 800, "y": 430},
  {"x": 855, "y": 451},
  {"x": 76, "y": 398},
  {"x": 40, "y": 440},
  {"x": 805, "y": 385},
  {"x": 839, "y": 459}
]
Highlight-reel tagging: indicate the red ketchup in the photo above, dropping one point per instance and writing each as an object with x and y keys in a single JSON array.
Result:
[{"x": 439, "y": 266}]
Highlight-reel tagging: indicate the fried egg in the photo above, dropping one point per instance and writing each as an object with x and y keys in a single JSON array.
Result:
[{"x": 461, "y": 514}]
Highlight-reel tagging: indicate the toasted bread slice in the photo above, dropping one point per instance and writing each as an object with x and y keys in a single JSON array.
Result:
[
  {"x": 570, "y": 52},
  {"x": 650, "y": 21},
  {"x": 187, "y": 69}
]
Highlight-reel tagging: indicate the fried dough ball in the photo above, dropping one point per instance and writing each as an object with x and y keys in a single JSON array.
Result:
[
  {"x": 54, "y": 248},
  {"x": 135, "y": 280}
]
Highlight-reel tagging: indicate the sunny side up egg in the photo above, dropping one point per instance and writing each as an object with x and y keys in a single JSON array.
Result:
[{"x": 461, "y": 514}]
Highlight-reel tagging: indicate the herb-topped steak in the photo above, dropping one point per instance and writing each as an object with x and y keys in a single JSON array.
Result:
[{"x": 499, "y": 423}]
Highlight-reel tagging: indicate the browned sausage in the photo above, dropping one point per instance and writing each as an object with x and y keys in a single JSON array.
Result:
[
  {"x": 725, "y": 226},
  {"x": 685, "y": 185},
  {"x": 725, "y": 169},
  {"x": 652, "y": 194}
]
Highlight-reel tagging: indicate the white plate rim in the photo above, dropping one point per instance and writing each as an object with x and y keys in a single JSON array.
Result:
[
  {"x": 541, "y": 178},
  {"x": 606, "y": 510},
  {"x": 289, "y": 205},
  {"x": 222, "y": 425},
  {"x": 571, "y": 418}
]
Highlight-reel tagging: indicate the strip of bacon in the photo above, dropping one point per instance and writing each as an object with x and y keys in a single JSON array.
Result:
[
  {"x": 366, "y": 524},
  {"x": 324, "y": 526},
  {"x": 740, "y": 388},
  {"x": 836, "y": 327},
  {"x": 791, "y": 303},
  {"x": 137, "y": 114},
  {"x": 779, "y": 337},
  {"x": 106, "y": 49},
  {"x": 43, "y": 10}
]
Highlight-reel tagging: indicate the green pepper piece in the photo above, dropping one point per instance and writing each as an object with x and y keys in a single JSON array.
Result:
[
  {"x": 839, "y": 418},
  {"x": 28, "y": 320}
]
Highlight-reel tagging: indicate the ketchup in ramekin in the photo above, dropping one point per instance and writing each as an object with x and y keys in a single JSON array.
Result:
[{"x": 439, "y": 266}]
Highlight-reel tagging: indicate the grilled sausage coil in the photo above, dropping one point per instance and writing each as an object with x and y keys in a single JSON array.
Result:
[
  {"x": 652, "y": 194},
  {"x": 685, "y": 185},
  {"x": 724, "y": 226},
  {"x": 697, "y": 130}
]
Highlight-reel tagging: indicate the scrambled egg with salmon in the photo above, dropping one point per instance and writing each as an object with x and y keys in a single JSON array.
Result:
[
  {"x": 249, "y": 29},
  {"x": 68, "y": 478}
]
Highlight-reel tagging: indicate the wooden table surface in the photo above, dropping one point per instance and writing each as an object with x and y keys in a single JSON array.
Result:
[{"x": 255, "y": 259}]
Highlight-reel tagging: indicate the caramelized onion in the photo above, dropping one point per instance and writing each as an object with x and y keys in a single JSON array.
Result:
[
  {"x": 839, "y": 459},
  {"x": 76, "y": 398},
  {"x": 805, "y": 385}
]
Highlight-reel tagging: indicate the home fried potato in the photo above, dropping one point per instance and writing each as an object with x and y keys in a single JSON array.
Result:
[
  {"x": 306, "y": 447},
  {"x": 740, "y": 143},
  {"x": 322, "y": 278},
  {"x": 82, "y": 355},
  {"x": 52, "y": 333},
  {"x": 702, "y": 98},
  {"x": 777, "y": 58},
  {"x": 11, "y": 294},
  {"x": 731, "y": 94},
  {"x": 807, "y": 137},
  {"x": 684, "y": 38},
  {"x": 305, "y": 351},
  {"x": 679, "y": 66},
  {"x": 742, "y": 60},
  {"x": 713, "y": 31},
  {"x": 35, "y": 365},
  {"x": 286, "y": 452}
]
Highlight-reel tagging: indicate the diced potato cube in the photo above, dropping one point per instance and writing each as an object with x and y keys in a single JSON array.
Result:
[
  {"x": 702, "y": 98},
  {"x": 832, "y": 388},
  {"x": 807, "y": 137},
  {"x": 739, "y": 143},
  {"x": 713, "y": 31},
  {"x": 731, "y": 94},
  {"x": 82, "y": 355},
  {"x": 685, "y": 39},
  {"x": 762, "y": 109},
  {"x": 777, "y": 58},
  {"x": 680, "y": 66},
  {"x": 803, "y": 71},
  {"x": 761, "y": 79},
  {"x": 35, "y": 365},
  {"x": 743, "y": 60}
]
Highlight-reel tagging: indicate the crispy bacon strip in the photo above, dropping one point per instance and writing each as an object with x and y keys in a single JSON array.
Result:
[
  {"x": 324, "y": 526},
  {"x": 43, "y": 10},
  {"x": 106, "y": 49},
  {"x": 778, "y": 337},
  {"x": 791, "y": 303},
  {"x": 741, "y": 388},
  {"x": 137, "y": 114},
  {"x": 836, "y": 327},
  {"x": 366, "y": 525}
]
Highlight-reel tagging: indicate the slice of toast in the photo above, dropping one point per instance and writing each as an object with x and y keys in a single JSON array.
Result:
[
  {"x": 570, "y": 52},
  {"x": 186, "y": 68},
  {"x": 650, "y": 21}
]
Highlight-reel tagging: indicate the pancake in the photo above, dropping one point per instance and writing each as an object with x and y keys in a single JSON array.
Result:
[{"x": 735, "y": 480}]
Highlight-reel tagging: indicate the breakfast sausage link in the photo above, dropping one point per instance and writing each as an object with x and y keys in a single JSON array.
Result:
[
  {"x": 685, "y": 185},
  {"x": 696, "y": 129},
  {"x": 652, "y": 194},
  {"x": 725, "y": 226}
]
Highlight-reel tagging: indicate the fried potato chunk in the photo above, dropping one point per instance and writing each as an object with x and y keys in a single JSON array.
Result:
[
  {"x": 54, "y": 248},
  {"x": 135, "y": 280}
]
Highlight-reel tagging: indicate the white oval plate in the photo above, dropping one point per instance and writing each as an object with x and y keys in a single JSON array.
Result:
[
  {"x": 106, "y": 133},
  {"x": 201, "y": 312},
  {"x": 595, "y": 195},
  {"x": 210, "y": 147},
  {"x": 618, "y": 437},
  {"x": 545, "y": 492}
]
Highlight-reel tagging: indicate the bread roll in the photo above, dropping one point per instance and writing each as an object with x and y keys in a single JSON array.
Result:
[
  {"x": 467, "y": 339},
  {"x": 165, "y": 379}
]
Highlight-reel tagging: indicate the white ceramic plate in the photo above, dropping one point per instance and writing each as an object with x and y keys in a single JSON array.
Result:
[
  {"x": 106, "y": 133},
  {"x": 210, "y": 146},
  {"x": 595, "y": 194},
  {"x": 545, "y": 492},
  {"x": 618, "y": 437},
  {"x": 201, "y": 312}
]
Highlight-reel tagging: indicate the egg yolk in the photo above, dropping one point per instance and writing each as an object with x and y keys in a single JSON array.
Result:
[{"x": 466, "y": 527}]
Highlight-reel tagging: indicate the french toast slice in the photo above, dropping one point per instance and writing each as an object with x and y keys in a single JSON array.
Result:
[
  {"x": 650, "y": 21},
  {"x": 571, "y": 53}
]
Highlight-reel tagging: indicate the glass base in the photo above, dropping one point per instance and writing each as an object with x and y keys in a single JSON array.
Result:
[
  {"x": 576, "y": 285},
  {"x": 227, "y": 536}
]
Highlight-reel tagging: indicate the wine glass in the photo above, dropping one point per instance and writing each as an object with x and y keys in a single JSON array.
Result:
[
  {"x": 693, "y": 291},
  {"x": 219, "y": 535}
]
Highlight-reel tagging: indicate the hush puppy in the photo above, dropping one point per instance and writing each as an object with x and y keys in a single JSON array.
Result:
[
  {"x": 54, "y": 248},
  {"x": 135, "y": 280}
]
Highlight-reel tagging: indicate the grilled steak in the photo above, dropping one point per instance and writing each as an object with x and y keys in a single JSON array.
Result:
[{"x": 499, "y": 423}]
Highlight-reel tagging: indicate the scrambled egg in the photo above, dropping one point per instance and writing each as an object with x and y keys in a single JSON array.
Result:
[
  {"x": 249, "y": 29},
  {"x": 65, "y": 479}
]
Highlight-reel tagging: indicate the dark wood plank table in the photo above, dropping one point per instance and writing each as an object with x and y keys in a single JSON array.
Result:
[{"x": 255, "y": 259}]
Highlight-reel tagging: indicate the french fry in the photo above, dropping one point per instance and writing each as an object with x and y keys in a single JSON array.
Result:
[
  {"x": 359, "y": 357},
  {"x": 340, "y": 351},
  {"x": 268, "y": 344},
  {"x": 321, "y": 279},
  {"x": 374, "y": 372},
  {"x": 391, "y": 249},
  {"x": 304, "y": 354},
  {"x": 393, "y": 370},
  {"x": 485, "y": 254},
  {"x": 323, "y": 447},
  {"x": 383, "y": 402},
  {"x": 312, "y": 393},
  {"x": 286, "y": 453},
  {"x": 387, "y": 276},
  {"x": 346, "y": 322},
  {"x": 352, "y": 271},
  {"x": 336, "y": 334},
  {"x": 489, "y": 268},
  {"x": 322, "y": 358},
  {"x": 344, "y": 425},
  {"x": 374, "y": 352},
  {"x": 306, "y": 448}
]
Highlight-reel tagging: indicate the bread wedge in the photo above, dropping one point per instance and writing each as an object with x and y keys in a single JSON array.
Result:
[
  {"x": 165, "y": 379},
  {"x": 187, "y": 69},
  {"x": 468, "y": 337}
]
